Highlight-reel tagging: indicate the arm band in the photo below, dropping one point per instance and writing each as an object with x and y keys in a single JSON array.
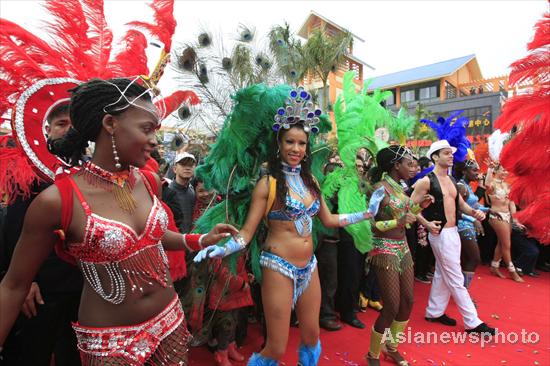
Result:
[
  {"x": 352, "y": 218},
  {"x": 482, "y": 208},
  {"x": 386, "y": 225},
  {"x": 468, "y": 218},
  {"x": 234, "y": 244},
  {"x": 416, "y": 209},
  {"x": 192, "y": 242}
]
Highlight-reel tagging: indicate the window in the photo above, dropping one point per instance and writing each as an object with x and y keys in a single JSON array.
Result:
[
  {"x": 391, "y": 99},
  {"x": 429, "y": 92},
  {"x": 407, "y": 96}
]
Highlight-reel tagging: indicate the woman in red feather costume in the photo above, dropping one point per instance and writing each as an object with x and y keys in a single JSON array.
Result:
[{"x": 129, "y": 313}]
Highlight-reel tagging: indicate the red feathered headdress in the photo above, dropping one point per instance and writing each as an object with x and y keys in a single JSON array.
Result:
[
  {"x": 36, "y": 75},
  {"x": 527, "y": 154}
]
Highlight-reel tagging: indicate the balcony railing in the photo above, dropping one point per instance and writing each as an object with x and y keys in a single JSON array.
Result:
[{"x": 493, "y": 85}]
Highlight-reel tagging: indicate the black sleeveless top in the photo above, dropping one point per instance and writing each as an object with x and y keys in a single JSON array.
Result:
[{"x": 436, "y": 211}]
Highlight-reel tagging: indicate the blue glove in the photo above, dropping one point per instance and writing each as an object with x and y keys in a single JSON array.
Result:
[
  {"x": 375, "y": 200},
  {"x": 216, "y": 251}
]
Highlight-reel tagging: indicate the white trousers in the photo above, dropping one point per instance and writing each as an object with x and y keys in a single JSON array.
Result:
[{"x": 448, "y": 279}]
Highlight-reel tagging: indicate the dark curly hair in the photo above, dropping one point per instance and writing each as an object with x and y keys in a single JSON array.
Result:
[
  {"x": 86, "y": 109},
  {"x": 275, "y": 167}
]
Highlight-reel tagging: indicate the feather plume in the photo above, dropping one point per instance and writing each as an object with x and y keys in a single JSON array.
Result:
[
  {"x": 188, "y": 59},
  {"x": 534, "y": 66},
  {"x": 542, "y": 33},
  {"x": 246, "y": 34},
  {"x": 496, "y": 142},
  {"x": 69, "y": 32},
  {"x": 355, "y": 128},
  {"x": 35, "y": 48},
  {"x": 535, "y": 217},
  {"x": 452, "y": 131},
  {"x": 402, "y": 126},
  {"x": 526, "y": 155},
  {"x": 99, "y": 34},
  {"x": 481, "y": 152},
  {"x": 165, "y": 24},
  {"x": 525, "y": 109},
  {"x": 172, "y": 102},
  {"x": 131, "y": 59},
  {"x": 204, "y": 39},
  {"x": 18, "y": 176}
]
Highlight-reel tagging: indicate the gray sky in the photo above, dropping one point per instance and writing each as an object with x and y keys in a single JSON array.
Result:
[{"x": 398, "y": 34}]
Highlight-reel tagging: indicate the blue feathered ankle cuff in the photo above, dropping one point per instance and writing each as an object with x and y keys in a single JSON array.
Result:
[
  {"x": 258, "y": 360},
  {"x": 309, "y": 355}
]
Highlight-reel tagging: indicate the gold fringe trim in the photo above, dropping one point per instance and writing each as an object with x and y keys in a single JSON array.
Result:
[{"x": 391, "y": 262}]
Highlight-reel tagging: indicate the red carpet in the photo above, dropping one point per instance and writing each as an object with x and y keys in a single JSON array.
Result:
[{"x": 503, "y": 304}]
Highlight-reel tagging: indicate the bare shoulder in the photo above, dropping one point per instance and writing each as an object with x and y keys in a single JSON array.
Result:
[
  {"x": 262, "y": 186},
  {"x": 46, "y": 206},
  {"x": 423, "y": 182}
]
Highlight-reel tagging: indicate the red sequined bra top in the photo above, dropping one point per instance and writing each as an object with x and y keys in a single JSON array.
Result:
[{"x": 126, "y": 259}]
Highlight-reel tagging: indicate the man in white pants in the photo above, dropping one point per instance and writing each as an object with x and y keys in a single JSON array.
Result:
[{"x": 440, "y": 220}]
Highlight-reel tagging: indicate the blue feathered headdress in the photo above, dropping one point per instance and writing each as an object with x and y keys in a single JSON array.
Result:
[{"x": 452, "y": 131}]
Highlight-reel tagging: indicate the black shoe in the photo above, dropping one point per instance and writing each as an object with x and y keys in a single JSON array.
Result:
[
  {"x": 330, "y": 324},
  {"x": 443, "y": 319},
  {"x": 423, "y": 279},
  {"x": 482, "y": 329},
  {"x": 356, "y": 323},
  {"x": 533, "y": 274}
]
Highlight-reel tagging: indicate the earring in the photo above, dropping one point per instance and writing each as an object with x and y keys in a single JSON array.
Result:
[
  {"x": 115, "y": 154},
  {"x": 305, "y": 158},
  {"x": 278, "y": 151}
]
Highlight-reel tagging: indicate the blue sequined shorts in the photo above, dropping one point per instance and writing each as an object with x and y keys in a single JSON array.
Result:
[
  {"x": 300, "y": 276},
  {"x": 466, "y": 230}
]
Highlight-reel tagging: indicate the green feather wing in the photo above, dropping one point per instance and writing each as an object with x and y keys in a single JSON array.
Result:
[
  {"x": 357, "y": 116},
  {"x": 233, "y": 165}
]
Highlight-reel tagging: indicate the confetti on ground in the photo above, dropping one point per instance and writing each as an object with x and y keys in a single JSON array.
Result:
[
  {"x": 519, "y": 350},
  {"x": 535, "y": 352},
  {"x": 468, "y": 355},
  {"x": 430, "y": 361},
  {"x": 495, "y": 316},
  {"x": 503, "y": 361},
  {"x": 536, "y": 362}
]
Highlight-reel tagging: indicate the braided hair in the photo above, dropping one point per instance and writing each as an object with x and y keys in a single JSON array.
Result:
[
  {"x": 87, "y": 109},
  {"x": 276, "y": 167},
  {"x": 386, "y": 159}
]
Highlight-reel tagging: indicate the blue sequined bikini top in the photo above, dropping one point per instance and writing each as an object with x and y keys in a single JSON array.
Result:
[{"x": 295, "y": 210}]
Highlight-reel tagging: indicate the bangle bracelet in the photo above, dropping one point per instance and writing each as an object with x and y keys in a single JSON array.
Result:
[
  {"x": 184, "y": 241},
  {"x": 240, "y": 240},
  {"x": 200, "y": 240}
]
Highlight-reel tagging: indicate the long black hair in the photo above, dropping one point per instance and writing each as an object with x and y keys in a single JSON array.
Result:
[
  {"x": 275, "y": 167},
  {"x": 87, "y": 109},
  {"x": 386, "y": 159}
]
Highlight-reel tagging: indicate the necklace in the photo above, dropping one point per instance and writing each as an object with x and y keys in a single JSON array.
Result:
[
  {"x": 396, "y": 187},
  {"x": 121, "y": 184},
  {"x": 294, "y": 179}
]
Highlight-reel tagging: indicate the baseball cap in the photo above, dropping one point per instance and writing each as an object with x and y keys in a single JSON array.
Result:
[{"x": 184, "y": 155}]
